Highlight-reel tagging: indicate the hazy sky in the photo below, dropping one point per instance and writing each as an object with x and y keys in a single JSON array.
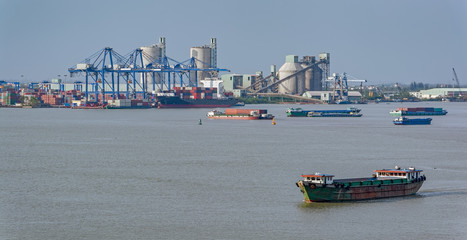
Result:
[{"x": 381, "y": 41}]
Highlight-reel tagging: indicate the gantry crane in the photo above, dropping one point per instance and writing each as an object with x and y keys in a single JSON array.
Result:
[
  {"x": 104, "y": 70},
  {"x": 340, "y": 87}
]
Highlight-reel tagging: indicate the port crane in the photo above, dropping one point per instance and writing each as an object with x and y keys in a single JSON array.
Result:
[
  {"x": 340, "y": 87},
  {"x": 457, "y": 81},
  {"x": 105, "y": 69}
]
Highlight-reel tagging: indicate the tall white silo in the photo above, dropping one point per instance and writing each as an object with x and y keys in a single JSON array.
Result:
[
  {"x": 203, "y": 60},
  {"x": 307, "y": 62},
  {"x": 206, "y": 57},
  {"x": 150, "y": 54},
  {"x": 295, "y": 84},
  {"x": 153, "y": 54}
]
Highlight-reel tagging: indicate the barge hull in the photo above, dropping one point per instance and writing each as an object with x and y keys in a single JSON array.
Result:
[
  {"x": 333, "y": 193},
  {"x": 177, "y": 102},
  {"x": 193, "y": 105},
  {"x": 231, "y": 117},
  {"x": 418, "y": 113}
]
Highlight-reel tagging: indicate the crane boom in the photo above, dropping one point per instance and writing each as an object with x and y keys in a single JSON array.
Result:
[{"x": 457, "y": 81}]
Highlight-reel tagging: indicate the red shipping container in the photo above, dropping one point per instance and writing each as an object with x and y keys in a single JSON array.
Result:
[{"x": 238, "y": 111}]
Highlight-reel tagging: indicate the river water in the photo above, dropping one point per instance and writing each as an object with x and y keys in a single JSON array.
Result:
[{"x": 158, "y": 174}]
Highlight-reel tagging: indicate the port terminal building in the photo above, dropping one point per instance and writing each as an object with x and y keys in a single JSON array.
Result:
[
  {"x": 327, "y": 96},
  {"x": 237, "y": 81},
  {"x": 435, "y": 93}
]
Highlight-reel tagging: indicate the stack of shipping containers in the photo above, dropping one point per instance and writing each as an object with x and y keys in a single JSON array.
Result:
[{"x": 196, "y": 92}]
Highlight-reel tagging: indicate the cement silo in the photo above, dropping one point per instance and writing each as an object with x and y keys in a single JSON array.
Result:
[
  {"x": 150, "y": 54},
  {"x": 294, "y": 84},
  {"x": 307, "y": 62},
  {"x": 153, "y": 54},
  {"x": 317, "y": 79},
  {"x": 206, "y": 57},
  {"x": 313, "y": 75}
]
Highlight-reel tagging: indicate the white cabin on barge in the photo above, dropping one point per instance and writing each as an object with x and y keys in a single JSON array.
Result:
[
  {"x": 397, "y": 173},
  {"x": 318, "y": 178}
]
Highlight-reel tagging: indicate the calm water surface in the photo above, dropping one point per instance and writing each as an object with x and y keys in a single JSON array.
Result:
[{"x": 157, "y": 174}]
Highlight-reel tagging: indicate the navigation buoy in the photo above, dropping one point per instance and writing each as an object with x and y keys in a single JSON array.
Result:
[
  {"x": 273, "y": 121},
  {"x": 200, "y": 123}
]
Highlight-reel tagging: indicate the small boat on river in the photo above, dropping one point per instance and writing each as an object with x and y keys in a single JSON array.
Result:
[{"x": 383, "y": 184}]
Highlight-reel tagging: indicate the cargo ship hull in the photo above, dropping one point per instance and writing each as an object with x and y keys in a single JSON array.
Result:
[
  {"x": 298, "y": 112},
  {"x": 176, "y": 102},
  {"x": 125, "y": 107},
  {"x": 323, "y": 114},
  {"x": 358, "y": 190},
  {"x": 418, "y": 112},
  {"x": 240, "y": 114},
  {"x": 234, "y": 117},
  {"x": 416, "y": 121},
  {"x": 406, "y": 113}
]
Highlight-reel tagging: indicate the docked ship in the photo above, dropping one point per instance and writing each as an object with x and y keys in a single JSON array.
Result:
[
  {"x": 178, "y": 102},
  {"x": 240, "y": 114},
  {"x": 298, "y": 112},
  {"x": 211, "y": 96},
  {"x": 383, "y": 184},
  {"x": 127, "y": 103},
  {"x": 418, "y": 111},
  {"x": 413, "y": 121}
]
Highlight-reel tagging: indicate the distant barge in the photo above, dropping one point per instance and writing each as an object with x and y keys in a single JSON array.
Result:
[
  {"x": 298, "y": 112},
  {"x": 384, "y": 183},
  {"x": 418, "y": 111},
  {"x": 413, "y": 121},
  {"x": 240, "y": 114}
]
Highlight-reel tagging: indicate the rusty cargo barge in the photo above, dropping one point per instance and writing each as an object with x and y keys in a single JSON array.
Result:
[
  {"x": 383, "y": 184},
  {"x": 240, "y": 114}
]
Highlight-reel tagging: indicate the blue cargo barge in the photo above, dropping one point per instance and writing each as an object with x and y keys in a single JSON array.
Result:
[
  {"x": 415, "y": 121},
  {"x": 298, "y": 112},
  {"x": 418, "y": 112}
]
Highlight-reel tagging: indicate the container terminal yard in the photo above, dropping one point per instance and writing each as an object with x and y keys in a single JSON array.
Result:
[{"x": 147, "y": 77}]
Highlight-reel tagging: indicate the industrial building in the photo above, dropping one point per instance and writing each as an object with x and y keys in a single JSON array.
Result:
[
  {"x": 293, "y": 78},
  {"x": 238, "y": 81},
  {"x": 301, "y": 81},
  {"x": 440, "y": 93},
  {"x": 327, "y": 96}
]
